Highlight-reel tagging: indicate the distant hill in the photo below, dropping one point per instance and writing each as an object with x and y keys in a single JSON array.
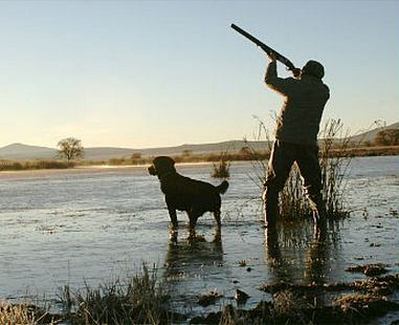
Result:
[
  {"x": 207, "y": 148},
  {"x": 370, "y": 135},
  {"x": 106, "y": 153},
  {"x": 18, "y": 151}
]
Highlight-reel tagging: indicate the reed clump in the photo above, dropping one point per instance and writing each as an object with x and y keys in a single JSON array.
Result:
[
  {"x": 334, "y": 170},
  {"x": 16, "y": 314},
  {"x": 221, "y": 169},
  {"x": 26, "y": 314},
  {"x": 335, "y": 159},
  {"x": 139, "y": 300}
]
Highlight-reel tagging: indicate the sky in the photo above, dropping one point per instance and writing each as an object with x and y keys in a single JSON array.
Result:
[{"x": 141, "y": 74}]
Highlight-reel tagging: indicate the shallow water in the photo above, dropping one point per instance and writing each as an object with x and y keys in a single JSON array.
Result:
[{"x": 92, "y": 225}]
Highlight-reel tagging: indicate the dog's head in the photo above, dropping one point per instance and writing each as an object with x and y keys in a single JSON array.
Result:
[{"x": 162, "y": 165}]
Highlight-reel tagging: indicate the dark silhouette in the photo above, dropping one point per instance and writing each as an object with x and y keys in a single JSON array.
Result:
[
  {"x": 296, "y": 137},
  {"x": 186, "y": 194}
]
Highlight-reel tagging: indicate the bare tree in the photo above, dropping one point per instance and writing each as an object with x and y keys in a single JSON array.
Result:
[{"x": 70, "y": 148}]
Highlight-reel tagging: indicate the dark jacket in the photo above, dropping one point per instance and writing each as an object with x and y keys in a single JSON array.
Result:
[{"x": 305, "y": 98}]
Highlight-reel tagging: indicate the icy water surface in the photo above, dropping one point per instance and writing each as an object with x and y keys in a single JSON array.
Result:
[{"x": 93, "y": 225}]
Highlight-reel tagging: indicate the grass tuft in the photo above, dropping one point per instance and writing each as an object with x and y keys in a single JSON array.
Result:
[
  {"x": 221, "y": 169},
  {"x": 25, "y": 314},
  {"x": 139, "y": 301},
  {"x": 16, "y": 314}
]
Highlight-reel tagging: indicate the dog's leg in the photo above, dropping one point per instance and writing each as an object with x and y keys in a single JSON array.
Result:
[
  {"x": 173, "y": 226},
  {"x": 173, "y": 217},
  {"x": 218, "y": 234},
  {"x": 217, "y": 218},
  {"x": 193, "y": 217}
]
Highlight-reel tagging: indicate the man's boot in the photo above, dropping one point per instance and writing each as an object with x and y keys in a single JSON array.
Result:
[{"x": 270, "y": 198}]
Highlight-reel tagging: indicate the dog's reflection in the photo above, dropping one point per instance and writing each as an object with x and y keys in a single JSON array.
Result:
[
  {"x": 193, "y": 237},
  {"x": 189, "y": 257}
]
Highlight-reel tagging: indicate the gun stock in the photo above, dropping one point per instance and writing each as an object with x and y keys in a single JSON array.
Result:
[{"x": 265, "y": 48}]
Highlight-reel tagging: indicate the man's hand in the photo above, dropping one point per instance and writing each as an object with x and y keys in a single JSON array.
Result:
[
  {"x": 272, "y": 56},
  {"x": 296, "y": 72}
]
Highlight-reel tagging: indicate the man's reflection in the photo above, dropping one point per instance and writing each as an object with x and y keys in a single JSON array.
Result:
[{"x": 299, "y": 256}]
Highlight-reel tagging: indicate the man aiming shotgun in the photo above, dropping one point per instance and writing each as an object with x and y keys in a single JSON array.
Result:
[{"x": 297, "y": 127}]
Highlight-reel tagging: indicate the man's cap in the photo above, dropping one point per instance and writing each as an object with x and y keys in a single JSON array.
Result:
[{"x": 313, "y": 68}]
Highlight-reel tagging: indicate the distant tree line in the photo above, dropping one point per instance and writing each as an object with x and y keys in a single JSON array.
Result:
[{"x": 387, "y": 137}]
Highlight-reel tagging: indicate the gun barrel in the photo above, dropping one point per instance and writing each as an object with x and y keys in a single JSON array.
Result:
[
  {"x": 264, "y": 47},
  {"x": 247, "y": 35}
]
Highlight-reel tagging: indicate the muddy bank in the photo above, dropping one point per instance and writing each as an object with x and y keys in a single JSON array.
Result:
[
  {"x": 342, "y": 302},
  {"x": 353, "y": 302}
]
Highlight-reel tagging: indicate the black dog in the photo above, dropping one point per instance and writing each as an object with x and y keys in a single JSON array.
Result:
[{"x": 186, "y": 194}]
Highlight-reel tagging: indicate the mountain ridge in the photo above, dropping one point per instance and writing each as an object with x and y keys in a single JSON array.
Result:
[{"x": 19, "y": 151}]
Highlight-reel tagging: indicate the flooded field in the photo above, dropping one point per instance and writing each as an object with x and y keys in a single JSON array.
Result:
[{"x": 93, "y": 225}]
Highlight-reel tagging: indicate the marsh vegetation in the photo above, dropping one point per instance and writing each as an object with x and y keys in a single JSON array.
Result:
[
  {"x": 221, "y": 169},
  {"x": 9, "y": 165}
]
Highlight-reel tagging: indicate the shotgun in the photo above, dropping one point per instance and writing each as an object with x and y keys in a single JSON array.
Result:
[{"x": 268, "y": 50}]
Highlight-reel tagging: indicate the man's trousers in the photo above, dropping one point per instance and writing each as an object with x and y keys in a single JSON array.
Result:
[{"x": 282, "y": 157}]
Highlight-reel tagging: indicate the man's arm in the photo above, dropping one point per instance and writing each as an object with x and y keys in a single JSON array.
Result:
[{"x": 273, "y": 81}]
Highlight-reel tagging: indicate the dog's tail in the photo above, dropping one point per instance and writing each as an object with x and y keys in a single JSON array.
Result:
[{"x": 222, "y": 188}]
